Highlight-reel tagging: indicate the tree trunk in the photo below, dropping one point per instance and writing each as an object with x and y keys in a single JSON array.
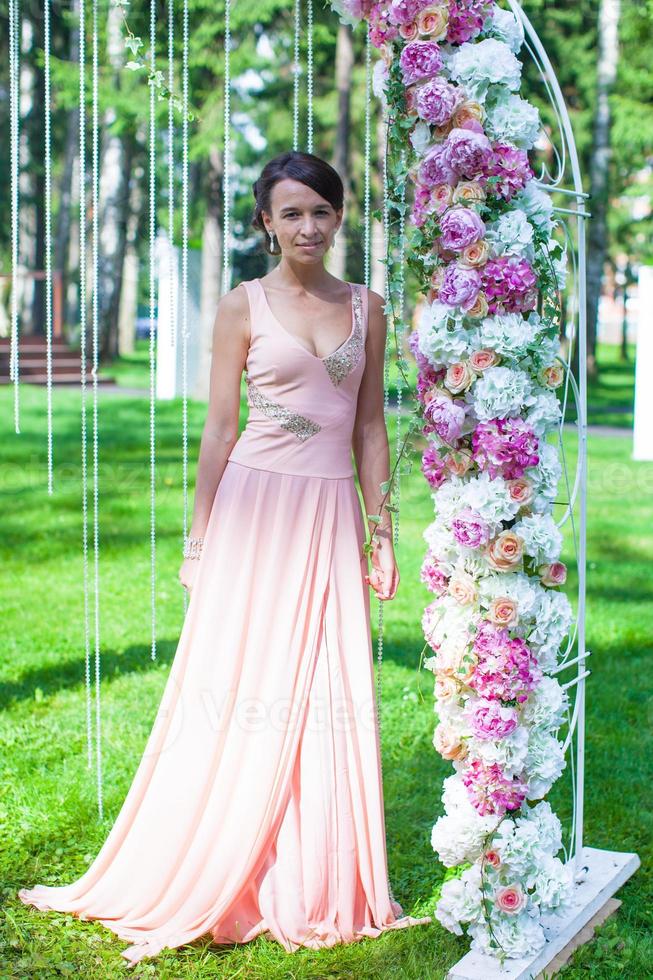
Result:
[
  {"x": 115, "y": 167},
  {"x": 337, "y": 256},
  {"x": 377, "y": 268},
  {"x": 211, "y": 285},
  {"x": 599, "y": 168},
  {"x": 31, "y": 212}
]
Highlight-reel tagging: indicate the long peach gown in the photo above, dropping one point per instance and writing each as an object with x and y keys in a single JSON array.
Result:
[{"x": 257, "y": 806}]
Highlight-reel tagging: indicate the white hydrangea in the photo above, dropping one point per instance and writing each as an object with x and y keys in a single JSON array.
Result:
[
  {"x": 509, "y": 334},
  {"x": 518, "y": 935},
  {"x": 510, "y": 752},
  {"x": 503, "y": 25},
  {"x": 488, "y": 497},
  {"x": 511, "y": 234},
  {"x": 440, "y": 336},
  {"x": 546, "y": 475},
  {"x": 546, "y": 706},
  {"x": 537, "y": 204},
  {"x": 542, "y": 537},
  {"x": 500, "y": 391},
  {"x": 553, "y": 884},
  {"x": 420, "y": 135},
  {"x": 459, "y": 838},
  {"x": 554, "y": 619},
  {"x": 545, "y": 763},
  {"x": 461, "y": 901},
  {"x": 548, "y": 826},
  {"x": 441, "y": 542},
  {"x": 380, "y": 78},
  {"x": 511, "y": 119},
  {"x": 518, "y": 586},
  {"x": 477, "y": 65},
  {"x": 544, "y": 410}
]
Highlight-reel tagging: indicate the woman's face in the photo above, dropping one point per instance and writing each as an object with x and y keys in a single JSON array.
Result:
[{"x": 303, "y": 222}]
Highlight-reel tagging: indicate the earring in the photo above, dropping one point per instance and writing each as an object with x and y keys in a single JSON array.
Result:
[{"x": 271, "y": 234}]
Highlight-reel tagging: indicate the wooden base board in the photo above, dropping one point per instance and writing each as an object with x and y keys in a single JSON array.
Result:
[
  {"x": 602, "y": 873},
  {"x": 582, "y": 937}
]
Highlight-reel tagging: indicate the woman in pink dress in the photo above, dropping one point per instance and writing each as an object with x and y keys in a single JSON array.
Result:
[{"x": 257, "y": 806}]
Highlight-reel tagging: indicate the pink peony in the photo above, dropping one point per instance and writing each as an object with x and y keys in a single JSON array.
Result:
[
  {"x": 445, "y": 417},
  {"x": 491, "y": 720},
  {"x": 491, "y": 791},
  {"x": 505, "y": 447},
  {"x": 435, "y": 168},
  {"x": 506, "y": 669},
  {"x": 461, "y": 227},
  {"x": 420, "y": 59},
  {"x": 469, "y": 529},
  {"x": 432, "y": 575},
  {"x": 460, "y": 286},
  {"x": 436, "y": 101},
  {"x": 468, "y": 153},
  {"x": 466, "y": 19},
  {"x": 510, "y": 285},
  {"x": 433, "y": 468}
]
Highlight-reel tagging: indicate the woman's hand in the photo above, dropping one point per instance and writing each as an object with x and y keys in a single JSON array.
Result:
[
  {"x": 187, "y": 572},
  {"x": 384, "y": 574}
]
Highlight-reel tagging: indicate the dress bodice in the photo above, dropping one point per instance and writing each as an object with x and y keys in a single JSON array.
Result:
[{"x": 302, "y": 407}]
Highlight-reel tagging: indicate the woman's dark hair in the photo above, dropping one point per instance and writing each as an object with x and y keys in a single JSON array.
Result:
[{"x": 304, "y": 167}]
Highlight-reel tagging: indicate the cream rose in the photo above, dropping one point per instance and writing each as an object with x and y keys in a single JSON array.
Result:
[
  {"x": 505, "y": 551},
  {"x": 447, "y": 743},
  {"x": 480, "y": 307},
  {"x": 553, "y": 574},
  {"x": 458, "y": 462},
  {"x": 459, "y": 377},
  {"x": 474, "y": 255},
  {"x": 520, "y": 490},
  {"x": 463, "y": 588},
  {"x": 481, "y": 360},
  {"x": 502, "y": 611},
  {"x": 551, "y": 376},
  {"x": 433, "y": 21},
  {"x": 409, "y": 32},
  {"x": 468, "y": 110},
  {"x": 445, "y": 687},
  {"x": 468, "y": 192},
  {"x": 442, "y": 194}
]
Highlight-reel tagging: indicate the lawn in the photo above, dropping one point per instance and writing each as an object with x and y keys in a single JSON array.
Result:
[{"x": 48, "y": 809}]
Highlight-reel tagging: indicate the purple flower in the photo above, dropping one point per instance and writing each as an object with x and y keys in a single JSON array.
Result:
[
  {"x": 420, "y": 59},
  {"x": 460, "y": 286},
  {"x": 432, "y": 575},
  {"x": 433, "y": 468},
  {"x": 459, "y": 228},
  {"x": 469, "y": 529},
  {"x": 436, "y": 101},
  {"x": 467, "y": 153},
  {"x": 404, "y": 11},
  {"x": 435, "y": 167},
  {"x": 491, "y": 791},
  {"x": 466, "y": 19},
  {"x": 446, "y": 417},
  {"x": 512, "y": 168},
  {"x": 505, "y": 447},
  {"x": 510, "y": 285},
  {"x": 491, "y": 719}
]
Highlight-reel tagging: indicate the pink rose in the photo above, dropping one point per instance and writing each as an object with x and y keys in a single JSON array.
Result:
[
  {"x": 459, "y": 377},
  {"x": 433, "y": 22},
  {"x": 502, "y": 611},
  {"x": 480, "y": 360},
  {"x": 505, "y": 551},
  {"x": 520, "y": 490},
  {"x": 553, "y": 574},
  {"x": 510, "y": 899},
  {"x": 462, "y": 588},
  {"x": 492, "y": 858}
]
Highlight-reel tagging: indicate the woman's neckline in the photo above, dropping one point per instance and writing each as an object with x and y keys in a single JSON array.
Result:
[{"x": 294, "y": 339}]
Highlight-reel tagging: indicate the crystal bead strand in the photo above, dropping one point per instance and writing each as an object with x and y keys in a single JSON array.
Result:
[
  {"x": 171, "y": 172},
  {"x": 95, "y": 164},
  {"x": 367, "y": 168},
  {"x": 309, "y": 74},
  {"x": 400, "y": 345},
  {"x": 47, "y": 220},
  {"x": 14, "y": 125},
  {"x": 386, "y": 239},
  {"x": 184, "y": 272},
  {"x": 82, "y": 373},
  {"x": 152, "y": 284},
  {"x": 296, "y": 71},
  {"x": 226, "y": 182}
]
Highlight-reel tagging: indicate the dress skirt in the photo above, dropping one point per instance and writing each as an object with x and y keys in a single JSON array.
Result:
[{"x": 257, "y": 806}]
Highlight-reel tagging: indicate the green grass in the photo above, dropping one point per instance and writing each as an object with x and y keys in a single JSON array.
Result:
[{"x": 48, "y": 812}]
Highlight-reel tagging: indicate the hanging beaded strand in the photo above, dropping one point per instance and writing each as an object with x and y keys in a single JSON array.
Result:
[
  {"x": 400, "y": 345},
  {"x": 95, "y": 178},
  {"x": 184, "y": 274},
  {"x": 82, "y": 374},
  {"x": 14, "y": 127},
  {"x": 226, "y": 183},
  {"x": 152, "y": 285},
  {"x": 309, "y": 74},
  {"x": 296, "y": 71},
  {"x": 47, "y": 244},
  {"x": 367, "y": 160},
  {"x": 172, "y": 278}
]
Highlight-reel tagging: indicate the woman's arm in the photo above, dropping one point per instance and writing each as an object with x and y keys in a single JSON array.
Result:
[
  {"x": 371, "y": 450},
  {"x": 230, "y": 343}
]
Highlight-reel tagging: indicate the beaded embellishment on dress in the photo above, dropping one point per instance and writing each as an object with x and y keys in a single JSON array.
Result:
[
  {"x": 302, "y": 427},
  {"x": 343, "y": 361}
]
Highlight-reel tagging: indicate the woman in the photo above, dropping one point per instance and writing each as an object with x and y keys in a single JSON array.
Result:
[{"x": 258, "y": 805}]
